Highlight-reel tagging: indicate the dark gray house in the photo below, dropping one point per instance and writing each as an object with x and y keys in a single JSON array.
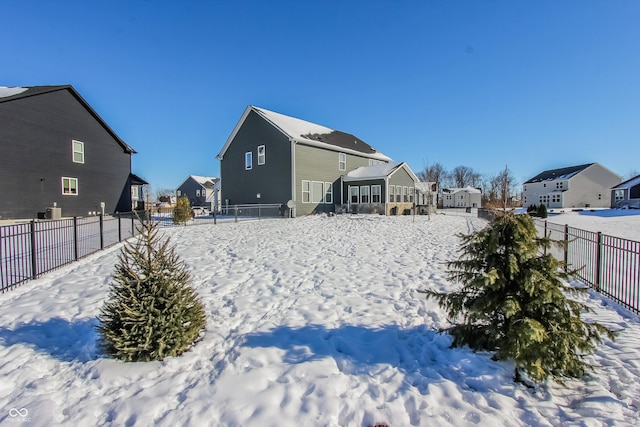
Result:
[
  {"x": 56, "y": 150},
  {"x": 198, "y": 189},
  {"x": 387, "y": 188},
  {"x": 273, "y": 158},
  {"x": 626, "y": 194}
]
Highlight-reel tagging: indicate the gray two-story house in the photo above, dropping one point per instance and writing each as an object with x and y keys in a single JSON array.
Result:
[
  {"x": 58, "y": 155},
  {"x": 273, "y": 158}
]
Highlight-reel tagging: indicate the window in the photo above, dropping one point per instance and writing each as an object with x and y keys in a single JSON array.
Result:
[
  {"x": 376, "y": 194},
  {"x": 197, "y": 193},
  {"x": 328, "y": 192},
  {"x": 354, "y": 194},
  {"x": 342, "y": 161},
  {"x": 405, "y": 194},
  {"x": 179, "y": 193},
  {"x": 317, "y": 191},
  {"x": 78, "y": 151},
  {"x": 398, "y": 193},
  {"x": 364, "y": 194},
  {"x": 262, "y": 158},
  {"x": 70, "y": 186},
  {"x": 558, "y": 185},
  {"x": 306, "y": 191},
  {"x": 411, "y": 192},
  {"x": 619, "y": 195},
  {"x": 373, "y": 162},
  {"x": 392, "y": 193},
  {"x": 248, "y": 160}
]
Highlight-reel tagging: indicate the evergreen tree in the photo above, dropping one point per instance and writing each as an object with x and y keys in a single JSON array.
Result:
[
  {"x": 542, "y": 210},
  {"x": 514, "y": 302},
  {"x": 182, "y": 211},
  {"x": 151, "y": 312},
  {"x": 532, "y": 210}
]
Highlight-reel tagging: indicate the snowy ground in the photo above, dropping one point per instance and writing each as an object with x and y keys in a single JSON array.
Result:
[
  {"x": 623, "y": 223},
  {"x": 311, "y": 322}
]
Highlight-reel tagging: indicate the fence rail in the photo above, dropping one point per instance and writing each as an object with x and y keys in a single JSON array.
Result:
[
  {"x": 28, "y": 250},
  {"x": 608, "y": 264}
]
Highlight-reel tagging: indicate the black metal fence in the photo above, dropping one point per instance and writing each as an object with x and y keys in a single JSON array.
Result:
[
  {"x": 610, "y": 265},
  {"x": 28, "y": 250}
]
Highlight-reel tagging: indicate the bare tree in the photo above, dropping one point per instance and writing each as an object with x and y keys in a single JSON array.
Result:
[
  {"x": 505, "y": 182},
  {"x": 433, "y": 173},
  {"x": 464, "y": 176}
]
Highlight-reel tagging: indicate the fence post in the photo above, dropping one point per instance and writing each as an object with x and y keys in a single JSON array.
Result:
[
  {"x": 236, "y": 209},
  {"x": 545, "y": 235},
  {"x": 34, "y": 262},
  {"x": 119, "y": 227},
  {"x": 566, "y": 246},
  {"x": 75, "y": 238},
  {"x": 101, "y": 231},
  {"x": 214, "y": 217},
  {"x": 598, "y": 261}
]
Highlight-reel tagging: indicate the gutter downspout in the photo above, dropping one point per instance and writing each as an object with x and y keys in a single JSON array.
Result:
[{"x": 293, "y": 175}]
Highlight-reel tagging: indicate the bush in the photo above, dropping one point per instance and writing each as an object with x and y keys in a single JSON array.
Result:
[
  {"x": 514, "y": 302},
  {"x": 182, "y": 210},
  {"x": 542, "y": 210},
  {"x": 532, "y": 210},
  {"x": 151, "y": 311}
]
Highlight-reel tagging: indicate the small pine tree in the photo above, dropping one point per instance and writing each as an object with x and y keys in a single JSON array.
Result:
[
  {"x": 532, "y": 210},
  {"x": 151, "y": 312},
  {"x": 182, "y": 211},
  {"x": 542, "y": 210},
  {"x": 514, "y": 302}
]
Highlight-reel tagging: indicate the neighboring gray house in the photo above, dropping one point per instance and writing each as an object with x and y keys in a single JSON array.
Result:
[
  {"x": 58, "y": 157},
  {"x": 467, "y": 197},
  {"x": 198, "y": 189},
  {"x": 387, "y": 188},
  {"x": 626, "y": 194},
  {"x": 580, "y": 186},
  {"x": 273, "y": 158}
]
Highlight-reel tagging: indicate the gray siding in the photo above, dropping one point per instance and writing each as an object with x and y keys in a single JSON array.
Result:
[
  {"x": 272, "y": 180},
  {"x": 318, "y": 164},
  {"x": 189, "y": 187},
  {"x": 36, "y": 152}
]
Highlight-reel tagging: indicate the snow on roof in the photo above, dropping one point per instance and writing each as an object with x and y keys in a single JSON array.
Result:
[
  {"x": 202, "y": 180},
  {"x": 10, "y": 91},
  {"x": 470, "y": 190},
  {"x": 371, "y": 172},
  {"x": 628, "y": 183},
  {"x": 318, "y": 135},
  {"x": 296, "y": 128}
]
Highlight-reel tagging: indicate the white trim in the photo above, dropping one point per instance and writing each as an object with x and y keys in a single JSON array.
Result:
[
  {"x": 70, "y": 179},
  {"x": 342, "y": 162},
  {"x": 73, "y": 150},
  {"x": 248, "y": 165},
  {"x": 264, "y": 155},
  {"x": 379, "y": 187}
]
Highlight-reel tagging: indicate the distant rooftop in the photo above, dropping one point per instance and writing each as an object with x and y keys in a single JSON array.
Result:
[{"x": 557, "y": 174}]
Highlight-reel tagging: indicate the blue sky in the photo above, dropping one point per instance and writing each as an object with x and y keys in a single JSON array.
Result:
[{"x": 530, "y": 84}]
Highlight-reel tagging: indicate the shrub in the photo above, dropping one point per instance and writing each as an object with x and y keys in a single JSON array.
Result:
[
  {"x": 542, "y": 210},
  {"x": 182, "y": 210},
  {"x": 151, "y": 311},
  {"x": 514, "y": 302}
]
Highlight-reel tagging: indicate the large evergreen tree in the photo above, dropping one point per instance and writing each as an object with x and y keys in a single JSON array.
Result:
[
  {"x": 517, "y": 302},
  {"x": 151, "y": 312}
]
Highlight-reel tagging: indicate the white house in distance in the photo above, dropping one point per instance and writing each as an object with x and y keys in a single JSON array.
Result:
[
  {"x": 583, "y": 186},
  {"x": 467, "y": 197}
]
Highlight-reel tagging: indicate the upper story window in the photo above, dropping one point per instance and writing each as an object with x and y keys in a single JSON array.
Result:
[
  {"x": 78, "y": 151},
  {"x": 262, "y": 157},
  {"x": 248, "y": 160},
  {"x": 197, "y": 193},
  {"x": 342, "y": 161},
  {"x": 69, "y": 186}
]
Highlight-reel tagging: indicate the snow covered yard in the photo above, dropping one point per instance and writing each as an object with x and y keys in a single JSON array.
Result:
[{"x": 311, "y": 321}]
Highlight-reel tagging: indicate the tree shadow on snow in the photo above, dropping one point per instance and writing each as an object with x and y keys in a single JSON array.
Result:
[
  {"x": 66, "y": 341},
  {"x": 422, "y": 354}
]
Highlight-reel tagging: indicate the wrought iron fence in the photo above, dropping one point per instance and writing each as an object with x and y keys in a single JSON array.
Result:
[
  {"x": 608, "y": 264},
  {"x": 28, "y": 250}
]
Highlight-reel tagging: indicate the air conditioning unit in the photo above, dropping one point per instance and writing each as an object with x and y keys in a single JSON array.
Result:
[{"x": 53, "y": 213}]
